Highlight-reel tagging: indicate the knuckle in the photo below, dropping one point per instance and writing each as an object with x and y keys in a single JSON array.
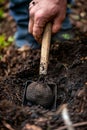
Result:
[
  {"x": 56, "y": 28},
  {"x": 31, "y": 12},
  {"x": 34, "y": 33},
  {"x": 39, "y": 15}
]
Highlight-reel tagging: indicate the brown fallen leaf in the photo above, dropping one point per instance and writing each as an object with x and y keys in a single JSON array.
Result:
[
  {"x": 31, "y": 127},
  {"x": 24, "y": 48}
]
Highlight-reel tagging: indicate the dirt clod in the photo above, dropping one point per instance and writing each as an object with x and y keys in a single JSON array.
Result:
[{"x": 39, "y": 93}]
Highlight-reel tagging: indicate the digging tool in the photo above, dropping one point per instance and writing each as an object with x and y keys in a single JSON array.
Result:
[
  {"x": 38, "y": 92},
  {"x": 45, "y": 50}
]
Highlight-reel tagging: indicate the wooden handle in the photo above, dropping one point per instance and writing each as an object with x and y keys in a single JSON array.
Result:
[{"x": 45, "y": 49}]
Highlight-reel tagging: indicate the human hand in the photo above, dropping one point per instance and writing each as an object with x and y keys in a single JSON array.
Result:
[{"x": 44, "y": 11}]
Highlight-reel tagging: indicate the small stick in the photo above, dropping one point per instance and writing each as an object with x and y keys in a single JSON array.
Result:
[
  {"x": 65, "y": 116},
  {"x": 8, "y": 126},
  {"x": 74, "y": 125},
  {"x": 45, "y": 49}
]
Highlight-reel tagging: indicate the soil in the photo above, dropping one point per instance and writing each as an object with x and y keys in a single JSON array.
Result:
[{"x": 67, "y": 71}]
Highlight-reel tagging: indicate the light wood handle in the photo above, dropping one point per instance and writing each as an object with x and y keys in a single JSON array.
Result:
[{"x": 45, "y": 48}]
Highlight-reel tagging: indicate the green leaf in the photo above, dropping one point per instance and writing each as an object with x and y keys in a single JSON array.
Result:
[
  {"x": 1, "y": 14},
  {"x": 1, "y": 1},
  {"x": 11, "y": 39},
  {"x": 0, "y": 57},
  {"x": 3, "y": 42},
  {"x": 66, "y": 36}
]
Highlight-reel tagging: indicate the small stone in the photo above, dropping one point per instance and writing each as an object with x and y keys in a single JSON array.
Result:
[{"x": 82, "y": 14}]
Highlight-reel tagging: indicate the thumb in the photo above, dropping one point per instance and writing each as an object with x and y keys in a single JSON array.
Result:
[
  {"x": 57, "y": 24},
  {"x": 39, "y": 24}
]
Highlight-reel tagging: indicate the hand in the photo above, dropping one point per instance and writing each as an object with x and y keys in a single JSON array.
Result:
[{"x": 44, "y": 11}]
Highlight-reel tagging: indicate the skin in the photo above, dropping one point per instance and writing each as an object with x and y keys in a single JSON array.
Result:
[{"x": 44, "y": 11}]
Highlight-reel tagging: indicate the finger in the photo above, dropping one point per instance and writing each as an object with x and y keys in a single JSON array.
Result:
[
  {"x": 32, "y": 4},
  {"x": 59, "y": 19},
  {"x": 30, "y": 27},
  {"x": 37, "y": 32},
  {"x": 32, "y": 11},
  {"x": 57, "y": 23},
  {"x": 31, "y": 20},
  {"x": 39, "y": 24}
]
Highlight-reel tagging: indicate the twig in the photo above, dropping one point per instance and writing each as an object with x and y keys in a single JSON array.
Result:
[
  {"x": 66, "y": 118},
  {"x": 7, "y": 125},
  {"x": 74, "y": 125}
]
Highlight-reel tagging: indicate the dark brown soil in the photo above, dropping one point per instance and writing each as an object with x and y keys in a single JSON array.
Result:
[{"x": 67, "y": 70}]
